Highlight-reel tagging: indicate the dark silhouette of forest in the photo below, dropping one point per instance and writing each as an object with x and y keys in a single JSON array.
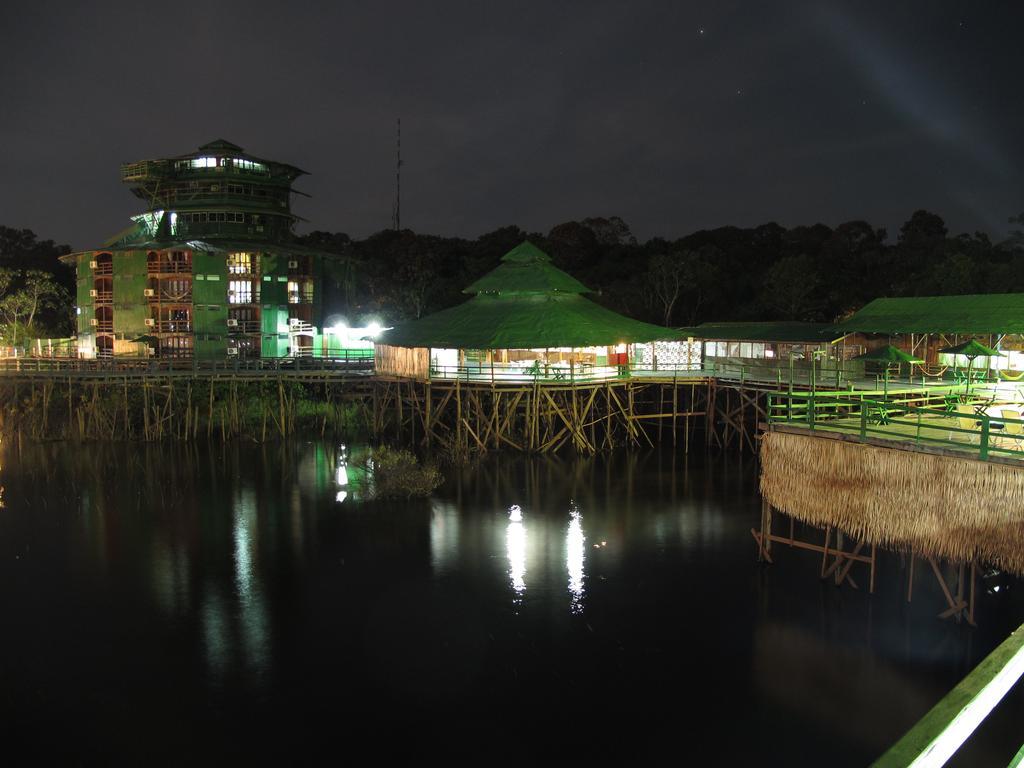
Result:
[{"x": 813, "y": 273}]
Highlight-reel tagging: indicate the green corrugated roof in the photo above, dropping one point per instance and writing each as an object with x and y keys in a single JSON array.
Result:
[
  {"x": 523, "y": 321},
  {"x": 527, "y": 268},
  {"x": 792, "y": 332},
  {"x": 978, "y": 313}
]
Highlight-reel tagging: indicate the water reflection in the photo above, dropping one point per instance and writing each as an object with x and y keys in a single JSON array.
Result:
[
  {"x": 444, "y": 535},
  {"x": 229, "y": 578},
  {"x": 515, "y": 547},
  {"x": 252, "y": 607},
  {"x": 575, "y": 553}
]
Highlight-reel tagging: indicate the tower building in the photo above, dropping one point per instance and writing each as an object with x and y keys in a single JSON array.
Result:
[{"x": 210, "y": 267}]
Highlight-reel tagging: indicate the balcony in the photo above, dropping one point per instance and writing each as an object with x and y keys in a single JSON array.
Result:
[
  {"x": 102, "y": 297},
  {"x": 170, "y": 326},
  {"x": 102, "y": 268},
  {"x": 244, "y": 326},
  {"x": 104, "y": 326},
  {"x": 168, "y": 267},
  {"x": 164, "y": 297}
]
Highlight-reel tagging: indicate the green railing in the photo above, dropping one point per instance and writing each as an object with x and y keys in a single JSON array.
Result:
[
  {"x": 835, "y": 375},
  {"x": 977, "y": 425},
  {"x": 941, "y": 732}
]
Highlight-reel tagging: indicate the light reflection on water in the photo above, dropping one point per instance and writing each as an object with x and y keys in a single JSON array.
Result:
[
  {"x": 242, "y": 557},
  {"x": 515, "y": 545},
  {"x": 575, "y": 554}
]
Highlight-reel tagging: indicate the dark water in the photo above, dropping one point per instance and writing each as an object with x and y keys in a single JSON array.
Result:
[{"x": 160, "y": 604}]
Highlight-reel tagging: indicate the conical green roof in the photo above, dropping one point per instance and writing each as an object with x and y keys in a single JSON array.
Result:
[
  {"x": 526, "y": 268},
  {"x": 524, "y": 303},
  {"x": 524, "y": 321}
]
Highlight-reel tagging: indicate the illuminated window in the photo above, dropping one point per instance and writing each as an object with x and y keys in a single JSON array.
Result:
[
  {"x": 240, "y": 292},
  {"x": 300, "y": 292},
  {"x": 243, "y": 263},
  {"x": 249, "y": 166}
]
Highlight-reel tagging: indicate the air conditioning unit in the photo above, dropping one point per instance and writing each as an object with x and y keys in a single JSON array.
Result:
[
  {"x": 93, "y": 264},
  {"x": 93, "y": 292},
  {"x": 293, "y": 321},
  {"x": 93, "y": 321},
  {"x": 232, "y": 322},
  {"x": 149, "y": 292},
  {"x": 293, "y": 264},
  {"x": 150, "y": 322},
  {"x": 232, "y": 351}
]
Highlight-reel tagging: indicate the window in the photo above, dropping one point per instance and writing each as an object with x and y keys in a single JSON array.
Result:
[
  {"x": 300, "y": 292},
  {"x": 249, "y": 166},
  {"x": 176, "y": 290},
  {"x": 243, "y": 263},
  {"x": 240, "y": 292}
]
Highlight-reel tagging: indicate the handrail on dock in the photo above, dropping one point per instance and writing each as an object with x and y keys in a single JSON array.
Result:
[
  {"x": 941, "y": 732},
  {"x": 933, "y": 418},
  {"x": 341, "y": 361}
]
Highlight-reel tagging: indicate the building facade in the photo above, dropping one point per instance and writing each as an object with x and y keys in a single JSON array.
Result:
[{"x": 209, "y": 269}]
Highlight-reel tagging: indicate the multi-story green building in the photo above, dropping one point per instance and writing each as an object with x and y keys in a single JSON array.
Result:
[{"x": 210, "y": 269}]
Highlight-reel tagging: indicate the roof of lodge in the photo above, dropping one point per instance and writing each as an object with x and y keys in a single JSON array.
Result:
[
  {"x": 526, "y": 268},
  {"x": 524, "y": 303},
  {"x": 973, "y": 313},
  {"x": 205, "y": 246},
  {"x": 784, "y": 331}
]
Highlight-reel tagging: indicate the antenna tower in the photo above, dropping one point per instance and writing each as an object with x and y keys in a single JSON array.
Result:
[{"x": 396, "y": 211}]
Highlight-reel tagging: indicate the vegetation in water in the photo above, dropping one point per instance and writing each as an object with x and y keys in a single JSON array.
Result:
[{"x": 397, "y": 473}]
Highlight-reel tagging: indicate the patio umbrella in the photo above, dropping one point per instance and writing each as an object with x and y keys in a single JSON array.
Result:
[
  {"x": 888, "y": 354},
  {"x": 971, "y": 349}
]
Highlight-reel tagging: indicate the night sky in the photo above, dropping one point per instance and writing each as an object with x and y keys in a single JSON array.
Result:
[{"x": 675, "y": 116}]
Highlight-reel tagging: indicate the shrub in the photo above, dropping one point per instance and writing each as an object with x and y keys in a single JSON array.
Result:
[{"x": 397, "y": 474}]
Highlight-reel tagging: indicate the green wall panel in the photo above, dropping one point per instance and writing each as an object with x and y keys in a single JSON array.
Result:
[
  {"x": 208, "y": 291},
  {"x": 207, "y": 320},
  {"x": 206, "y": 349}
]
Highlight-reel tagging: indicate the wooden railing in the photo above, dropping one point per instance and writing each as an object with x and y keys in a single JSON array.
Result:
[
  {"x": 244, "y": 326},
  {"x": 343, "y": 361},
  {"x": 171, "y": 326},
  {"x": 168, "y": 267},
  {"x": 560, "y": 373}
]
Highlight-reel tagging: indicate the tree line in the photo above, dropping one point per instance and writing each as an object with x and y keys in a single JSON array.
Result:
[
  {"x": 769, "y": 272},
  {"x": 36, "y": 289}
]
